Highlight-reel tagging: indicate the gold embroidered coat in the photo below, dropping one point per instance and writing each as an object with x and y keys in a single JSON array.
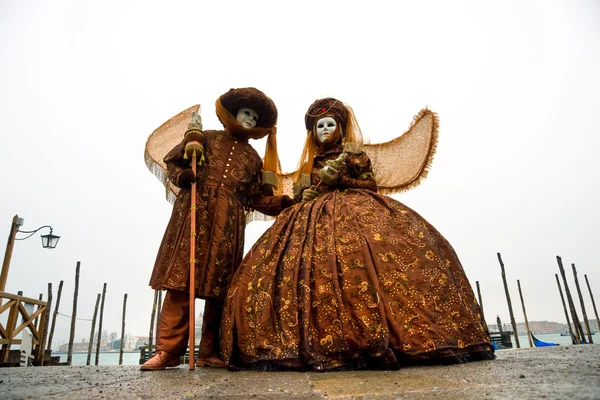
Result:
[
  {"x": 229, "y": 182},
  {"x": 352, "y": 279}
]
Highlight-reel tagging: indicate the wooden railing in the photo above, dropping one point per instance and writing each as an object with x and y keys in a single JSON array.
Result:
[{"x": 34, "y": 323}]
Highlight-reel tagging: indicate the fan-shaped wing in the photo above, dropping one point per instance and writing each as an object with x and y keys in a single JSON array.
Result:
[
  {"x": 161, "y": 141},
  {"x": 403, "y": 162},
  {"x": 285, "y": 183}
]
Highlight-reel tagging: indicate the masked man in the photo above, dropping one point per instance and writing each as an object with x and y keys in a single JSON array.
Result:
[{"x": 230, "y": 182}]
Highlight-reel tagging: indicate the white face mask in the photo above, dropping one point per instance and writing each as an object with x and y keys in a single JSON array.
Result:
[
  {"x": 247, "y": 117},
  {"x": 325, "y": 129}
]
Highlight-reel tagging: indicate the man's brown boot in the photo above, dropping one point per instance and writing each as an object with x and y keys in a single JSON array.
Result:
[
  {"x": 212, "y": 361},
  {"x": 160, "y": 361}
]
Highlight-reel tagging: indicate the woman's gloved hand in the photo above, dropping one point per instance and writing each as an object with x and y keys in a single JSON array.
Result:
[
  {"x": 329, "y": 175},
  {"x": 309, "y": 194}
]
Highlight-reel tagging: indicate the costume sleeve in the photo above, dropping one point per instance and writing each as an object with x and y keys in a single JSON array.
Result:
[
  {"x": 359, "y": 173},
  {"x": 176, "y": 164},
  {"x": 261, "y": 198}
]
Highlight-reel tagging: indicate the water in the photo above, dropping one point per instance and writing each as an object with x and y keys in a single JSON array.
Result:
[
  {"x": 105, "y": 358},
  {"x": 133, "y": 358},
  {"x": 548, "y": 337}
]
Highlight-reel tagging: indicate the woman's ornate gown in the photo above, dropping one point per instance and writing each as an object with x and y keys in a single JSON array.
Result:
[{"x": 351, "y": 279}]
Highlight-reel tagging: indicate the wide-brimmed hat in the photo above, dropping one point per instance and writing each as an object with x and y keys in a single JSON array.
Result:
[{"x": 252, "y": 98}]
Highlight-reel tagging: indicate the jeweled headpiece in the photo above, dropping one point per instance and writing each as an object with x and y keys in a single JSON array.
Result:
[{"x": 327, "y": 107}]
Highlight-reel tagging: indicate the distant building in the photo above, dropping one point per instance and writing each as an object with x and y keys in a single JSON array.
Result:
[{"x": 77, "y": 347}]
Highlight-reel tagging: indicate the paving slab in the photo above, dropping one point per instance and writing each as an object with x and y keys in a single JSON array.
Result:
[{"x": 563, "y": 372}]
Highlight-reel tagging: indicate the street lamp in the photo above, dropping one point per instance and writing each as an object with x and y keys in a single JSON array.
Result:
[{"x": 49, "y": 241}]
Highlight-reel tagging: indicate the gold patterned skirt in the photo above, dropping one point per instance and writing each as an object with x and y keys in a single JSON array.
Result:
[{"x": 352, "y": 279}]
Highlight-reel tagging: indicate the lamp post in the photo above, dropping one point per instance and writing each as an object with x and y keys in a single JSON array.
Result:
[{"x": 49, "y": 241}]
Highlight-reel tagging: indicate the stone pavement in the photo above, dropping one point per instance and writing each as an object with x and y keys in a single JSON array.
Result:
[{"x": 565, "y": 372}]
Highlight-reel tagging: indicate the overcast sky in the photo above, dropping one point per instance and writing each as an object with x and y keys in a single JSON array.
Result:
[{"x": 515, "y": 84}]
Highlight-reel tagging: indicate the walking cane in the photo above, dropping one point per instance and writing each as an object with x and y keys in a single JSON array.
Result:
[{"x": 194, "y": 146}]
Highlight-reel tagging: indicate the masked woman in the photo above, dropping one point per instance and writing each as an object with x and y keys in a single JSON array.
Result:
[{"x": 348, "y": 278}]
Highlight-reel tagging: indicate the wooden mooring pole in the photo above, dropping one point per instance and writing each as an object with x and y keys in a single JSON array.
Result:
[
  {"x": 585, "y": 318},
  {"x": 593, "y": 302},
  {"x": 487, "y": 330},
  {"x": 123, "y": 329},
  {"x": 562, "y": 298},
  {"x": 576, "y": 323},
  {"x": 91, "y": 343},
  {"x": 37, "y": 319},
  {"x": 73, "y": 315},
  {"x": 480, "y": 301},
  {"x": 45, "y": 323},
  {"x": 100, "y": 325},
  {"x": 151, "y": 332},
  {"x": 158, "y": 313},
  {"x": 510, "y": 310},
  {"x": 525, "y": 314},
  {"x": 51, "y": 335}
]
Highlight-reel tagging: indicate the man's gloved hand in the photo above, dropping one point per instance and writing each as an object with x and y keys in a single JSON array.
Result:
[
  {"x": 190, "y": 147},
  {"x": 309, "y": 194},
  {"x": 186, "y": 178},
  {"x": 329, "y": 175}
]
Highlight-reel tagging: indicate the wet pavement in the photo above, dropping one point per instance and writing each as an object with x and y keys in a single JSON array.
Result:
[{"x": 565, "y": 372}]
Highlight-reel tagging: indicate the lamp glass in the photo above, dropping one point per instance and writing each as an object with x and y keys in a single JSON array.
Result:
[{"x": 49, "y": 241}]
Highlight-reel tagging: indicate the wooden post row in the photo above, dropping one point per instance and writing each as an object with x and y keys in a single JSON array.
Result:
[
  {"x": 51, "y": 334},
  {"x": 91, "y": 343},
  {"x": 510, "y": 310},
  {"x": 73, "y": 315},
  {"x": 100, "y": 325},
  {"x": 123, "y": 329},
  {"x": 585, "y": 318}
]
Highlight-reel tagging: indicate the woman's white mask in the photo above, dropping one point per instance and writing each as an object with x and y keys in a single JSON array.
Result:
[
  {"x": 325, "y": 128},
  {"x": 247, "y": 117}
]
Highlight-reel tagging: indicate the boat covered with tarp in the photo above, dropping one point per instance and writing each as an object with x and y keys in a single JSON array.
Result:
[{"x": 539, "y": 343}]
